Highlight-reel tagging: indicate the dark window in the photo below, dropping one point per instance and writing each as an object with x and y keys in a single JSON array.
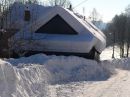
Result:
[
  {"x": 27, "y": 15},
  {"x": 56, "y": 25}
]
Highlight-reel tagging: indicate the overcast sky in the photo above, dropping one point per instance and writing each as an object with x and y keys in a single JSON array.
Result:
[{"x": 107, "y": 8}]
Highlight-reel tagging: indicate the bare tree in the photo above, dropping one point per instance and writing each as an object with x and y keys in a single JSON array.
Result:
[
  {"x": 94, "y": 15},
  {"x": 96, "y": 18},
  {"x": 120, "y": 25},
  {"x": 127, "y": 36},
  {"x": 63, "y": 3},
  {"x": 127, "y": 10},
  {"x": 120, "y": 29},
  {"x": 32, "y": 1}
]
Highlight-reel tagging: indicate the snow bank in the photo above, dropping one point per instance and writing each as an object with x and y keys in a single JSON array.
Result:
[
  {"x": 70, "y": 69},
  {"x": 123, "y": 63},
  {"x": 29, "y": 81},
  {"x": 117, "y": 62},
  {"x": 31, "y": 76},
  {"x": 66, "y": 69}
]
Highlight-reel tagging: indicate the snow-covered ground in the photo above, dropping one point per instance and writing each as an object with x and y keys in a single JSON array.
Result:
[
  {"x": 116, "y": 86},
  {"x": 107, "y": 53},
  {"x": 59, "y": 76}
]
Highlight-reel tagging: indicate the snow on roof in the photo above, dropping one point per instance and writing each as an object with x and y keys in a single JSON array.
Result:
[
  {"x": 40, "y": 15},
  {"x": 16, "y": 13}
]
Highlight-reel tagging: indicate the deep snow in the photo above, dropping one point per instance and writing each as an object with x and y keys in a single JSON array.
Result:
[
  {"x": 29, "y": 81},
  {"x": 29, "y": 77},
  {"x": 66, "y": 69},
  {"x": 59, "y": 76}
]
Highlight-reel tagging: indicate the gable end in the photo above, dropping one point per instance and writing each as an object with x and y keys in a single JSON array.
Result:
[{"x": 56, "y": 25}]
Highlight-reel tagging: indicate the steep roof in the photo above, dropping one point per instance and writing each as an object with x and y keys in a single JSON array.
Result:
[
  {"x": 40, "y": 15},
  {"x": 47, "y": 13}
]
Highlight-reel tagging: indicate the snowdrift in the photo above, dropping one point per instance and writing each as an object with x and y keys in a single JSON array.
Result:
[
  {"x": 29, "y": 81},
  {"x": 123, "y": 63},
  {"x": 31, "y": 76},
  {"x": 66, "y": 69}
]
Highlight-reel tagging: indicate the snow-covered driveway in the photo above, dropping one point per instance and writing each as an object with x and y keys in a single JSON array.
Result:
[{"x": 117, "y": 86}]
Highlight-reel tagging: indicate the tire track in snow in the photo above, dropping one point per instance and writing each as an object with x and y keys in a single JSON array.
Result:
[
  {"x": 114, "y": 90},
  {"x": 116, "y": 86}
]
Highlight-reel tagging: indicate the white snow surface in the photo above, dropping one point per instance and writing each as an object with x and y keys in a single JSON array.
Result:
[
  {"x": 107, "y": 53},
  {"x": 60, "y": 76},
  {"x": 65, "y": 69},
  {"x": 29, "y": 81},
  {"x": 31, "y": 76}
]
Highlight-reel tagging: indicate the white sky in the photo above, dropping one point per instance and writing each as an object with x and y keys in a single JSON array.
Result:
[{"x": 107, "y": 8}]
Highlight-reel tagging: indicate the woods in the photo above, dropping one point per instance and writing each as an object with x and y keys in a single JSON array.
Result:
[{"x": 118, "y": 32}]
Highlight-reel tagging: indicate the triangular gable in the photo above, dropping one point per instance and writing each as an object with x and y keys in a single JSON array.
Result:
[
  {"x": 67, "y": 16},
  {"x": 56, "y": 25},
  {"x": 79, "y": 25}
]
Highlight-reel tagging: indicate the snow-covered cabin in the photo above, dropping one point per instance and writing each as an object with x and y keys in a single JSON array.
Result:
[{"x": 56, "y": 30}]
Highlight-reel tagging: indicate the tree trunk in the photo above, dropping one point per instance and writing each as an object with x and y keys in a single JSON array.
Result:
[
  {"x": 121, "y": 50},
  {"x": 127, "y": 53},
  {"x": 113, "y": 54}
]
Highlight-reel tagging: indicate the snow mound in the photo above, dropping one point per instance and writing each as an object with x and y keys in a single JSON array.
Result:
[
  {"x": 66, "y": 69},
  {"x": 29, "y": 81},
  {"x": 31, "y": 76},
  {"x": 123, "y": 63}
]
